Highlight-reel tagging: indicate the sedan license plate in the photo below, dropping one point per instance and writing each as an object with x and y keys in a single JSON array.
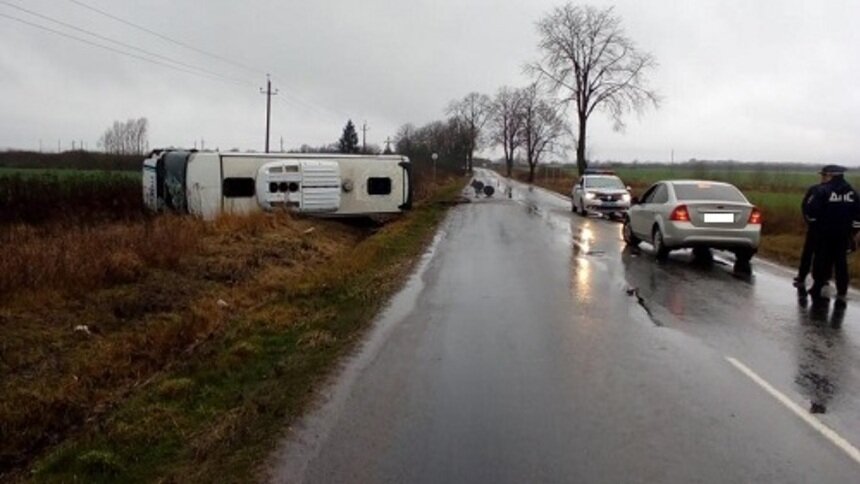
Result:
[{"x": 719, "y": 218}]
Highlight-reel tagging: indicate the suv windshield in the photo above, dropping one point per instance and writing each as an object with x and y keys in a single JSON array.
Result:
[
  {"x": 603, "y": 182},
  {"x": 708, "y": 191}
]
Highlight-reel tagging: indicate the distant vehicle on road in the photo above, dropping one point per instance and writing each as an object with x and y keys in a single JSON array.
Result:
[
  {"x": 600, "y": 191},
  {"x": 701, "y": 215}
]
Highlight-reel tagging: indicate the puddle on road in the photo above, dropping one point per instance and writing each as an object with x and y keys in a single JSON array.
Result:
[{"x": 821, "y": 356}]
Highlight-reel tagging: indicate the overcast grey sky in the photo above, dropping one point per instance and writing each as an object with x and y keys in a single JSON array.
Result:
[{"x": 771, "y": 80}]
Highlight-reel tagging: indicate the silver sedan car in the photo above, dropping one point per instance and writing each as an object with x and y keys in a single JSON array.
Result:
[{"x": 702, "y": 215}]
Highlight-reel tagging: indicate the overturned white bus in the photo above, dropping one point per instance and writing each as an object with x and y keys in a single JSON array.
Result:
[{"x": 207, "y": 184}]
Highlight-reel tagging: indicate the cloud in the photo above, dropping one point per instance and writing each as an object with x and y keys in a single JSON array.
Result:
[{"x": 764, "y": 80}]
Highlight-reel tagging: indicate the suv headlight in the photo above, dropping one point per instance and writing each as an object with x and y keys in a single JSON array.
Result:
[
  {"x": 589, "y": 196},
  {"x": 625, "y": 197}
]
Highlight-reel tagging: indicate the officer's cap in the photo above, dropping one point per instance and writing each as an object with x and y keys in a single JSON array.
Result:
[{"x": 834, "y": 170}]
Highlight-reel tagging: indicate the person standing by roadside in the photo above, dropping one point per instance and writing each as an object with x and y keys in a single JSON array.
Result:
[
  {"x": 835, "y": 207},
  {"x": 808, "y": 243}
]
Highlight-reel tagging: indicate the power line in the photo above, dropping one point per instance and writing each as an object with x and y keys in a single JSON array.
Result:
[
  {"x": 123, "y": 44},
  {"x": 297, "y": 102},
  {"x": 105, "y": 47},
  {"x": 326, "y": 114},
  {"x": 298, "y": 99},
  {"x": 164, "y": 37},
  {"x": 313, "y": 105}
]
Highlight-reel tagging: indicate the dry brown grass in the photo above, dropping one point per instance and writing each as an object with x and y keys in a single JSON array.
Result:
[
  {"x": 76, "y": 259},
  {"x": 785, "y": 248},
  {"x": 188, "y": 372},
  {"x": 90, "y": 314}
]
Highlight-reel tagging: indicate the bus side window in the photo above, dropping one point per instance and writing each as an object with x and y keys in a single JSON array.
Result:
[
  {"x": 238, "y": 187},
  {"x": 379, "y": 186}
]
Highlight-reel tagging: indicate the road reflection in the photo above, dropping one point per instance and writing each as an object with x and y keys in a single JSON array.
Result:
[
  {"x": 821, "y": 355},
  {"x": 583, "y": 238},
  {"x": 582, "y": 284},
  {"x": 688, "y": 288},
  {"x": 581, "y": 288}
]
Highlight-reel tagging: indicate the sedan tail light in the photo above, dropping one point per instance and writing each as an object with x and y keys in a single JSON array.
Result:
[
  {"x": 680, "y": 214},
  {"x": 755, "y": 217}
]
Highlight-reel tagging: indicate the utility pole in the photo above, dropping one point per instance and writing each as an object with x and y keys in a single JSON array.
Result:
[
  {"x": 268, "y": 92},
  {"x": 388, "y": 144},
  {"x": 282, "y": 144},
  {"x": 364, "y": 129},
  {"x": 202, "y": 144},
  {"x": 40, "y": 145}
]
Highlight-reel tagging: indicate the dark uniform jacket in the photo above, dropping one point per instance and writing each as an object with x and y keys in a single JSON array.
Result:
[
  {"x": 833, "y": 208},
  {"x": 809, "y": 193}
]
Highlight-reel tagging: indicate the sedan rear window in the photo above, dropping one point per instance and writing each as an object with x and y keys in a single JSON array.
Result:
[{"x": 708, "y": 191}]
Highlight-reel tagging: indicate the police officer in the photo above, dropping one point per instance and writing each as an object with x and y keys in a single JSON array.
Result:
[
  {"x": 808, "y": 243},
  {"x": 834, "y": 208}
]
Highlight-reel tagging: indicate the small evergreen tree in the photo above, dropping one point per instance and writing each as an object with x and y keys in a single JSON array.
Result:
[{"x": 348, "y": 142}]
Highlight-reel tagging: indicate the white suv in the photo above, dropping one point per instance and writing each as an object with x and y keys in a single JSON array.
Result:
[{"x": 601, "y": 192}]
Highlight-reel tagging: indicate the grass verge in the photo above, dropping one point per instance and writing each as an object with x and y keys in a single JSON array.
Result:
[{"x": 216, "y": 413}]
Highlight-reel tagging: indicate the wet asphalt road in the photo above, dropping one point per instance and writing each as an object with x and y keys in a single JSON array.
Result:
[{"x": 531, "y": 346}]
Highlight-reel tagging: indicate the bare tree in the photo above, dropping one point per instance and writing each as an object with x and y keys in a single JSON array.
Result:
[
  {"x": 543, "y": 127},
  {"x": 129, "y": 138},
  {"x": 506, "y": 123},
  {"x": 403, "y": 139},
  {"x": 587, "y": 57},
  {"x": 139, "y": 129},
  {"x": 306, "y": 148},
  {"x": 370, "y": 149},
  {"x": 445, "y": 138},
  {"x": 470, "y": 114}
]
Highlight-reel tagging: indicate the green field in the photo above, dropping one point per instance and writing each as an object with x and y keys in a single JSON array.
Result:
[
  {"x": 753, "y": 179},
  {"x": 39, "y": 196},
  {"x": 775, "y": 200},
  {"x": 63, "y": 173},
  {"x": 747, "y": 180}
]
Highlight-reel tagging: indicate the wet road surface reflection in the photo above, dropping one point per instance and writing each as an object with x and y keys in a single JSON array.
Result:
[
  {"x": 821, "y": 355},
  {"x": 814, "y": 350}
]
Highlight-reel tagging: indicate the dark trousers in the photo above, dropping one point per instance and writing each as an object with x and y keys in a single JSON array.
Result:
[
  {"x": 806, "y": 255},
  {"x": 831, "y": 256}
]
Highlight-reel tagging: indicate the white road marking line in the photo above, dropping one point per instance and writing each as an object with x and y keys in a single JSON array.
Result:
[{"x": 814, "y": 422}]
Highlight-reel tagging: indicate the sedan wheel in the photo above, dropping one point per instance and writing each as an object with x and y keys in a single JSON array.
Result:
[
  {"x": 627, "y": 232},
  {"x": 660, "y": 245}
]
